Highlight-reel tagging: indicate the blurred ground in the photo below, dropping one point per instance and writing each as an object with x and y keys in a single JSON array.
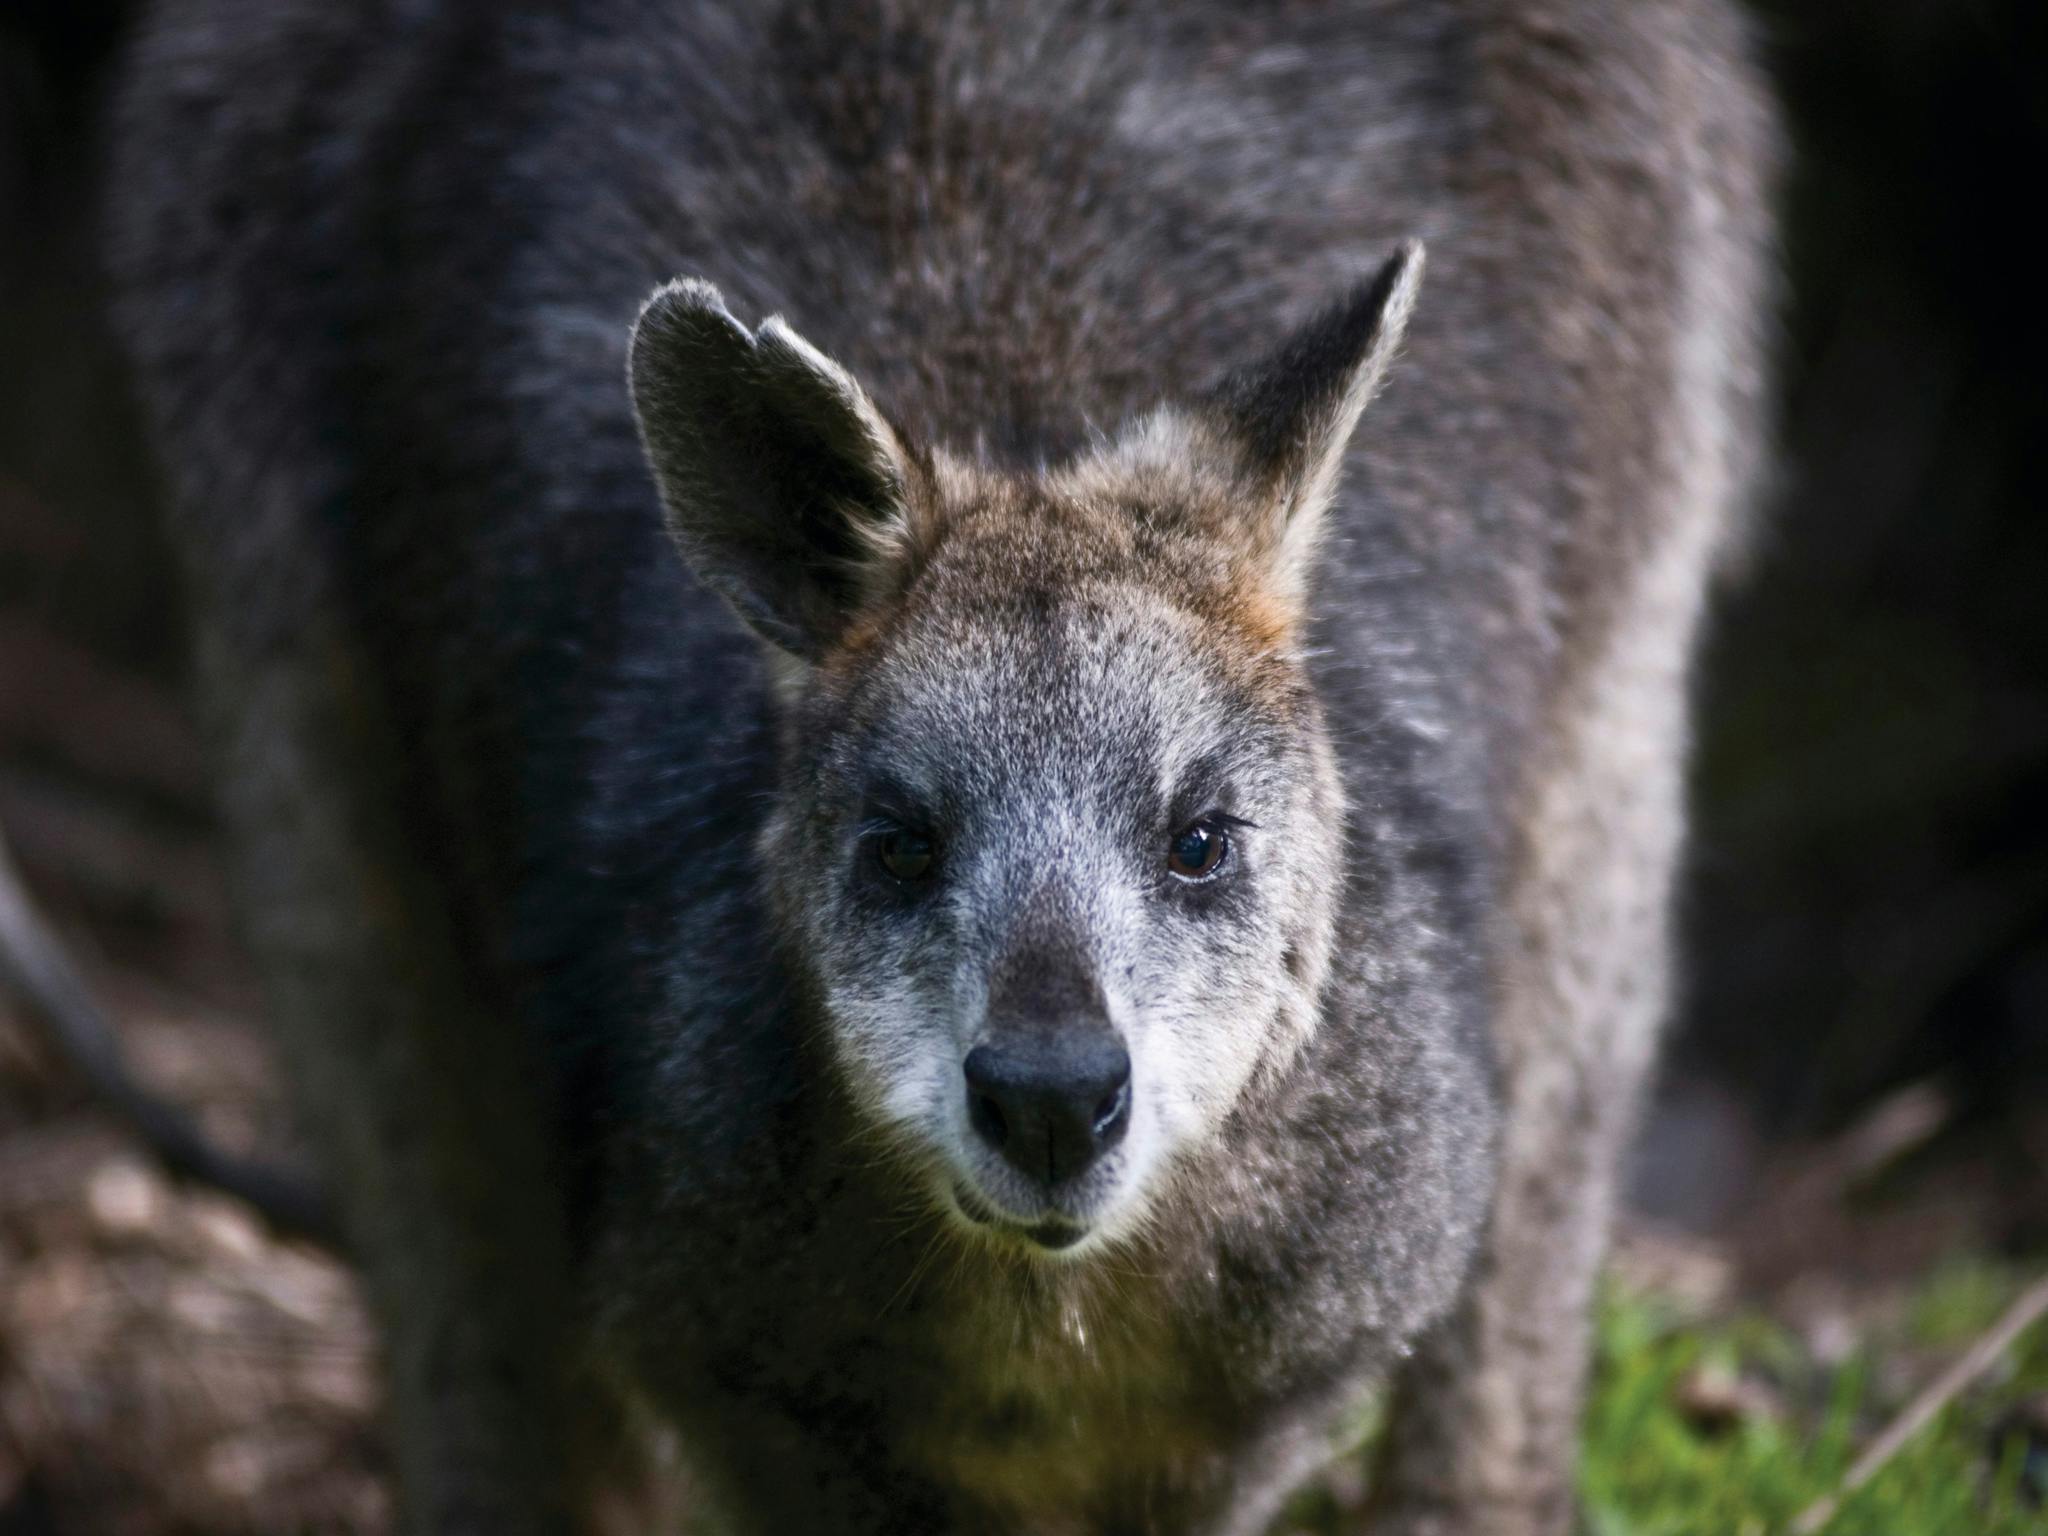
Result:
[{"x": 164, "y": 1367}]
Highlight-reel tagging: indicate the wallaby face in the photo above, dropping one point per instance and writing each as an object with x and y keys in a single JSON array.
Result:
[{"x": 1057, "y": 844}]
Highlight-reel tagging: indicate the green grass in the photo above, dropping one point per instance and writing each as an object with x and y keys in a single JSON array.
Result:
[
  {"x": 1656, "y": 1465},
  {"x": 1652, "y": 1468}
]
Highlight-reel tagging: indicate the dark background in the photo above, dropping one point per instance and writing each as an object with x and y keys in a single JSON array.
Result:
[
  {"x": 1870, "y": 893},
  {"x": 1869, "y": 901}
]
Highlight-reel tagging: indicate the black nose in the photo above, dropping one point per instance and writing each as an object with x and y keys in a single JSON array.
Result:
[{"x": 1050, "y": 1106}]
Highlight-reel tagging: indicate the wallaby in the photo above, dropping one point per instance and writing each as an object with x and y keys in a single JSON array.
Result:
[{"x": 886, "y": 844}]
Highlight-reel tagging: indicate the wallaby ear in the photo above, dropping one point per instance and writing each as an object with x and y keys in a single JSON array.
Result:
[
  {"x": 1289, "y": 417},
  {"x": 787, "y": 490}
]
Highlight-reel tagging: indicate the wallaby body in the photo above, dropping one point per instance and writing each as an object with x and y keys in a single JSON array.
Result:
[{"x": 628, "y": 963}]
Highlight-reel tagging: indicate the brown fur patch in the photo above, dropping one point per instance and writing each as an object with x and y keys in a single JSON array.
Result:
[{"x": 1268, "y": 619}]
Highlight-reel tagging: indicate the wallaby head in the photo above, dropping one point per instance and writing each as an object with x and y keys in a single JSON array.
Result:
[{"x": 1059, "y": 838}]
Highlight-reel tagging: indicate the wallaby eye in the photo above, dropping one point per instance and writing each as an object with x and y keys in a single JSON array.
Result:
[
  {"x": 1196, "y": 851},
  {"x": 906, "y": 855}
]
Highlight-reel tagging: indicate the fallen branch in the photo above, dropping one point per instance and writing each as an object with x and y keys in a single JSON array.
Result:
[
  {"x": 33, "y": 964},
  {"x": 2031, "y": 1306}
]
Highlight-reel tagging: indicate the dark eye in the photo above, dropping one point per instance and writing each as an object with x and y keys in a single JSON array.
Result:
[
  {"x": 1195, "y": 852},
  {"x": 908, "y": 856}
]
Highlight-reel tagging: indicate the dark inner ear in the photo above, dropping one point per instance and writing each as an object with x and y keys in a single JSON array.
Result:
[
  {"x": 809, "y": 462},
  {"x": 1293, "y": 408},
  {"x": 777, "y": 471}
]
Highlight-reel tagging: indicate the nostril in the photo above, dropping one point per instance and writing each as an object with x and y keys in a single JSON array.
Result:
[
  {"x": 987, "y": 1117},
  {"x": 1112, "y": 1111}
]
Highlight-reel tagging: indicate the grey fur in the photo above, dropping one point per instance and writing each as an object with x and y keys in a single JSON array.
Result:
[{"x": 639, "y": 1101}]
